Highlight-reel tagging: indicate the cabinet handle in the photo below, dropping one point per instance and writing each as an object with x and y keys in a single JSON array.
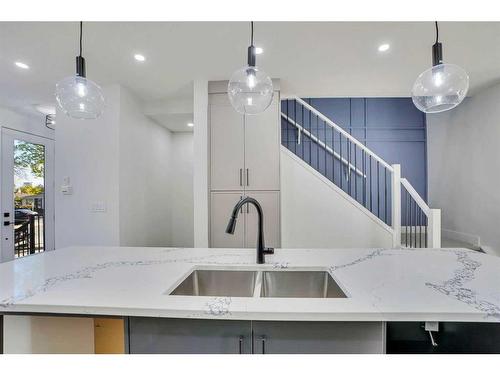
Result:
[
  {"x": 240, "y": 345},
  {"x": 241, "y": 209},
  {"x": 241, "y": 177},
  {"x": 248, "y": 180},
  {"x": 263, "y": 340}
]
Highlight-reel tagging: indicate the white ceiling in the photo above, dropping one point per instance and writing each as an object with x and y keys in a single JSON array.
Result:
[{"x": 311, "y": 59}]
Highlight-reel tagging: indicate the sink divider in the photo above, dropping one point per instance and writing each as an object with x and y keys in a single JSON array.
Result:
[
  {"x": 258, "y": 285},
  {"x": 325, "y": 285},
  {"x": 196, "y": 284}
]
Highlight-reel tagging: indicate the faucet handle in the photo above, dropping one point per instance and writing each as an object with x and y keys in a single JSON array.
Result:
[{"x": 268, "y": 250}]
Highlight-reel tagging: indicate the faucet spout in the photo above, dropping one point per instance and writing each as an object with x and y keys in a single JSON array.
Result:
[{"x": 231, "y": 226}]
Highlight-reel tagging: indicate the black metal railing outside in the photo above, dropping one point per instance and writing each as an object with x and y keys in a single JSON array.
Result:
[{"x": 29, "y": 236}]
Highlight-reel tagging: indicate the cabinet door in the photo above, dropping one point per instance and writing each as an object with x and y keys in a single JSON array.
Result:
[
  {"x": 262, "y": 149},
  {"x": 226, "y": 145},
  {"x": 452, "y": 338},
  {"x": 222, "y": 204},
  {"x": 188, "y": 336},
  {"x": 270, "y": 202},
  {"x": 318, "y": 337}
]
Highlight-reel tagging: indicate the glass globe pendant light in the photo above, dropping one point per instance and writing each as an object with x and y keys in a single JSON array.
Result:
[
  {"x": 442, "y": 87},
  {"x": 250, "y": 90},
  {"x": 78, "y": 96}
]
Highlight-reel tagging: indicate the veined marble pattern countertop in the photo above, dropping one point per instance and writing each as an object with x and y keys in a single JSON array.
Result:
[{"x": 381, "y": 284}]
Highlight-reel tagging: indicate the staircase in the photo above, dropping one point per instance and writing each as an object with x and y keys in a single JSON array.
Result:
[{"x": 365, "y": 177}]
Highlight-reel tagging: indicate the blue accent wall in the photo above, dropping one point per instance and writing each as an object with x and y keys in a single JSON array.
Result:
[{"x": 392, "y": 127}]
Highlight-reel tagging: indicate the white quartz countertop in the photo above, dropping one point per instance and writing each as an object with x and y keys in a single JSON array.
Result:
[{"x": 381, "y": 284}]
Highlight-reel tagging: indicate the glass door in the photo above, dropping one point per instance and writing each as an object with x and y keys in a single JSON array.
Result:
[{"x": 27, "y": 195}]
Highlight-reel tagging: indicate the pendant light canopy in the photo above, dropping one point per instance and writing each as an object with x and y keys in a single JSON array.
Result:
[
  {"x": 441, "y": 87},
  {"x": 78, "y": 96},
  {"x": 250, "y": 90}
]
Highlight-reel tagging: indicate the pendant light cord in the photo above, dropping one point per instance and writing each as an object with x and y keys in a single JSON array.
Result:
[
  {"x": 437, "y": 49},
  {"x": 80, "y": 61},
  {"x": 251, "y": 33},
  {"x": 81, "y": 33}
]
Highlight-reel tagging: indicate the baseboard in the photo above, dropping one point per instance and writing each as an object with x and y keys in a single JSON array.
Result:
[{"x": 472, "y": 239}]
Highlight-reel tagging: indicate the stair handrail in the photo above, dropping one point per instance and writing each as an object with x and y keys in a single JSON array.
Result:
[
  {"x": 416, "y": 197},
  {"x": 433, "y": 215},
  {"x": 343, "y": 132},
  {"x": 336, "y": 155}
]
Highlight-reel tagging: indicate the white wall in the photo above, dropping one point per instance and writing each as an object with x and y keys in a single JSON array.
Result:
[
  {"x": 123, "y": 160},
  {"x": 87, "y": 151},
  {"x": 463, "y": 158},
  {"x": 182, "y": 209},
  {"x": 200, "y": 168},
  {"x": 48, "y": 335},
  {"x": 145, "y": 177},
  {"x": 316, "y": 214}
]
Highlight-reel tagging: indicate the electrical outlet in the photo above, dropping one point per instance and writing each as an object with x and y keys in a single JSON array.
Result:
[{"x": 431, "y": 326}]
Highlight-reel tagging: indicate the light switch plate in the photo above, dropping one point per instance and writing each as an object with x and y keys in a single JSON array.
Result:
[{"x": 66, "y": 189}]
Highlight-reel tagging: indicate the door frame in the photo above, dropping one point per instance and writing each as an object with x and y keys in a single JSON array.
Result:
[{"x": 7, "y": 136}]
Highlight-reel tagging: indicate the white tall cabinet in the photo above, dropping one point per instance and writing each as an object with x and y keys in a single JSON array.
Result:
[{"x": 244, "y": 161}]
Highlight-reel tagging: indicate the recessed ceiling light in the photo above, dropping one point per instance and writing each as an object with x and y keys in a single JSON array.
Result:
[
  {"x": 190, "y": 124},
  {"x": 259, "y": 50},
  {"x": 21, "y": 65},
  {"x": 139, "y": 57},
  {"x": 384, "y": 47}
]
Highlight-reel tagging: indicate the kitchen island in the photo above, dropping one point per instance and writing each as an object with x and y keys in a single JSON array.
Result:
[{"x": 386, "y": 297}]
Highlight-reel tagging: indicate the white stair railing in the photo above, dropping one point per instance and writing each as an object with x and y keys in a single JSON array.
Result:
[
  {"x": 421, "y": 224},
  {"x": 396, "y": 205},
  {"x": 375, "y": 183},
  {"x": 315, "y": 139},
  {"x": 343, "y": 132}
]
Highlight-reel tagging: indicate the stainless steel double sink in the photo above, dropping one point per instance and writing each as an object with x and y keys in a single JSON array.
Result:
[{"x": 260, "y": 283}]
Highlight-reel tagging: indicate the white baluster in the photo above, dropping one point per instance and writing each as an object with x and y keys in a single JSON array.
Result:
[
  {"x": 434, "y": 229},
  {"x": 396, "y": 205}
]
